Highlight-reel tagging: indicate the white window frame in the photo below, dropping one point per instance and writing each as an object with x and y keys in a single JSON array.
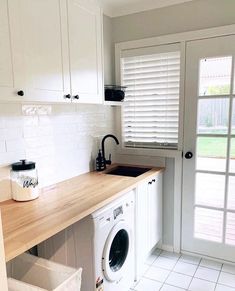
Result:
[
  {"x": 176, "y": 154},
  {"x": 154, "y": 151}
]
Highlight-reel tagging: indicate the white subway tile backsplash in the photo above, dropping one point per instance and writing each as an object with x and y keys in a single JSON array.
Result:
[
  {"x": 12, "y": 144},
  {"x": 2, "y": 146},
  {"x": 63, "y": 140},
  {"x": 11, "y": 133}
]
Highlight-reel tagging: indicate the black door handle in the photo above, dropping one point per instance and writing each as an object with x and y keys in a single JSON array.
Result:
[
  {"x": 20, "y": 93},
  {"x": 188, "y": 155}
]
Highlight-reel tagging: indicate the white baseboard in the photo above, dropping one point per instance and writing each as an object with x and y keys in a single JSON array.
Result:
[{"x": 167, "y": 248}]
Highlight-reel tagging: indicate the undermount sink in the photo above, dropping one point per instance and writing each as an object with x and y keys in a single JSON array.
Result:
[{"x": 128, "y": 171}]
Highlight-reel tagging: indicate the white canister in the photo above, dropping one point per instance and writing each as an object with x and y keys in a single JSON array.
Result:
[{"x": 24, "y": 181}]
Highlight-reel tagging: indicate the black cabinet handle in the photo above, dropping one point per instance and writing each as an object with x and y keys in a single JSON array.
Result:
[
  {"x": 68, "y": 96},
  {"x": 76, "y": 97},
  {"x": 150, "y": 182},
  {"x": 188, "y": 155},
  {"x": 20, "y": 93},
  {"x": 153, "y": 180}
]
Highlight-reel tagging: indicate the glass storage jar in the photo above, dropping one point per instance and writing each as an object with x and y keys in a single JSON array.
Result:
[{"x": 24, "y": 181}]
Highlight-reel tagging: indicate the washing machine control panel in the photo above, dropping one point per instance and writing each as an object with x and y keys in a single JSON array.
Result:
[{"x": 117, "y": 211}]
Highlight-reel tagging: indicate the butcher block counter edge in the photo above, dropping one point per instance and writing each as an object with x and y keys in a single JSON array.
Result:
[{"x": 26, "y": 224}]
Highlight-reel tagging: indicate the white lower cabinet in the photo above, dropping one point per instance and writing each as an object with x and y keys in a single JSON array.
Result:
[{"x": 148, "y": 219}]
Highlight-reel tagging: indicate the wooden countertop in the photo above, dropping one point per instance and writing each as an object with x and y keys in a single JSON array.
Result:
[{"x": 26, "y": 224}]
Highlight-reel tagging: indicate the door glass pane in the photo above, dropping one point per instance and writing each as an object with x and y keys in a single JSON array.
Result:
[
  {"x": 233, "y": 117},
  {"x": 119, "y": 250},
  {"x": 213, "y": 116},
  {"x": 215, "y": 76},
  {"x": 232, "y": 156},
  {"x": 210, "y": 190},
  {"x": 208, "y": 224},
  {"x": 231, "y": 193},
  {"x": 211, "y": 153},
  {"x": 230, "y": 229}
]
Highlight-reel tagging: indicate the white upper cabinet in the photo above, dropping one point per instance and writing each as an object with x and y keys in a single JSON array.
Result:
[
  {"x": 50, "y": 49},
  {"x": 85, "y": 50},
  {"x": 39, "y": 48},
  {"x": 6, "y": 72}
]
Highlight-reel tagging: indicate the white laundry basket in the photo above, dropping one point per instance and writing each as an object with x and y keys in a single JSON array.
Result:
[{"x": 30, "y": 273}]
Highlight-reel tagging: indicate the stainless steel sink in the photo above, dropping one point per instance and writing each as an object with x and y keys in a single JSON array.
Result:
[{"x": 128, "y": 171}]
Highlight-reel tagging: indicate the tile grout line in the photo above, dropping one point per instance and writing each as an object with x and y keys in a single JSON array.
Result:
[
  {"x": 216, "y": 283},
  {"x": 194, "y": 273},
  {"x": 170, "y": 273}
]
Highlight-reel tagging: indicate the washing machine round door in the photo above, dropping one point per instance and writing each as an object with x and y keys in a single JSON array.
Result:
[{"x": 116, "y": 251}]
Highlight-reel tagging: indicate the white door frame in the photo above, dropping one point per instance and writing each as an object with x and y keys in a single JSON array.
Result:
[{"x": 176, "y": 154}]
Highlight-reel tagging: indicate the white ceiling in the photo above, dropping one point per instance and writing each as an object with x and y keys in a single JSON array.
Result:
[{"x": 115, "y": 8}]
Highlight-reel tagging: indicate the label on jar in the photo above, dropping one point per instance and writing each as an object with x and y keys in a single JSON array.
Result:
[{"x": 30, "y": 182}]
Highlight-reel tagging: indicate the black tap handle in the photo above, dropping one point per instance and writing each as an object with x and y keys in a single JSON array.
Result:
[{"x": 109, "y": 162}]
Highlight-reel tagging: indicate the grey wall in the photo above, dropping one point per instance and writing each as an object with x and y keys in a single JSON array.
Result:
[
  {"x": 183, "y": 17},
  {"x": 198, "y": 14},
  {"x": 108, "y": 44}
]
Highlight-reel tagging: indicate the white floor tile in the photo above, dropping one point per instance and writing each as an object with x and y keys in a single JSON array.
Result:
[
  {"x": 227, "y": 279},
  {"x": 170, "y": 255},
  {"x": 211, "y": 264},
  {"x": 156, "y": 273},
  {"x": 190, "y": 259},
  {"x": 147, "y": 284},
  {"x": 185, "y": 268},
  {"x": 167, "y": 287},
  {"x": 150, "y": 259},
  {"x": 223, "y": 288},
  {"x": 228, "y": 268},
  {"x": 165, "y": 263},
  {"x": 201, "y": 285},
  {"x": 207, "y": 274},
  {"x": 179, "y": 280}
]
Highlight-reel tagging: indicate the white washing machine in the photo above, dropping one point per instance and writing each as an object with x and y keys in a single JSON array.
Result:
[{"x": 105, "y": 246}]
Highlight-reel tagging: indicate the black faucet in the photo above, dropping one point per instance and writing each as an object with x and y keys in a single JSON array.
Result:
[{"x": 107, "y": 162}]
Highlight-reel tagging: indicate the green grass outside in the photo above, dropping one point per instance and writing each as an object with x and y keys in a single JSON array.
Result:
[{"x": 214, "y": 147}]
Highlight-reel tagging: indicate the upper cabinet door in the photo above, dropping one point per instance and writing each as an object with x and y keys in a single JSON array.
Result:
[
  {"x": 85, "y": 45},
  {"x": 40, "y": 49},
  {"x": 6, "y": 69}
]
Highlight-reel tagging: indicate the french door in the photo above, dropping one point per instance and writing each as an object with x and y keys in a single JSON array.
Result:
[{"x": 208, "y": 216}]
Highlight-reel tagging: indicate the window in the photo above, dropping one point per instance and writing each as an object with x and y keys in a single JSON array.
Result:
[{"x": 151, "y": 107}]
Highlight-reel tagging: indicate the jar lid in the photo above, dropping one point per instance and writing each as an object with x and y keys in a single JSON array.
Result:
[{"x": 23, "y": 165}]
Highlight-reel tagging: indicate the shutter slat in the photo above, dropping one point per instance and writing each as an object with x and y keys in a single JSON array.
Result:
[{"x": 151, "y": 106}]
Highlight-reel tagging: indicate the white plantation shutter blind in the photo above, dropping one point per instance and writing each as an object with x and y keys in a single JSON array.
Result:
[{"x": 151, "y": 106}]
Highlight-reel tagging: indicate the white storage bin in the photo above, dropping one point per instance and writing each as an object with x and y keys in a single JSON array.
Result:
[{"x": 30, "y": 273}]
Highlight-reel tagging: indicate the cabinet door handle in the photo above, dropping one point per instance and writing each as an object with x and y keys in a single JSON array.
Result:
[
  {"x": 76, "y": 97},
  {"x": 20, "y": 93},
  {"x": 153, "y": 180},
  {"x": 150, "y": 182},
  {"x": 68, "y": 96}
]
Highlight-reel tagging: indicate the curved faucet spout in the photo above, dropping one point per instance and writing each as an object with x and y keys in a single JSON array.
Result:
[{"x": 103, "y": 149}]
